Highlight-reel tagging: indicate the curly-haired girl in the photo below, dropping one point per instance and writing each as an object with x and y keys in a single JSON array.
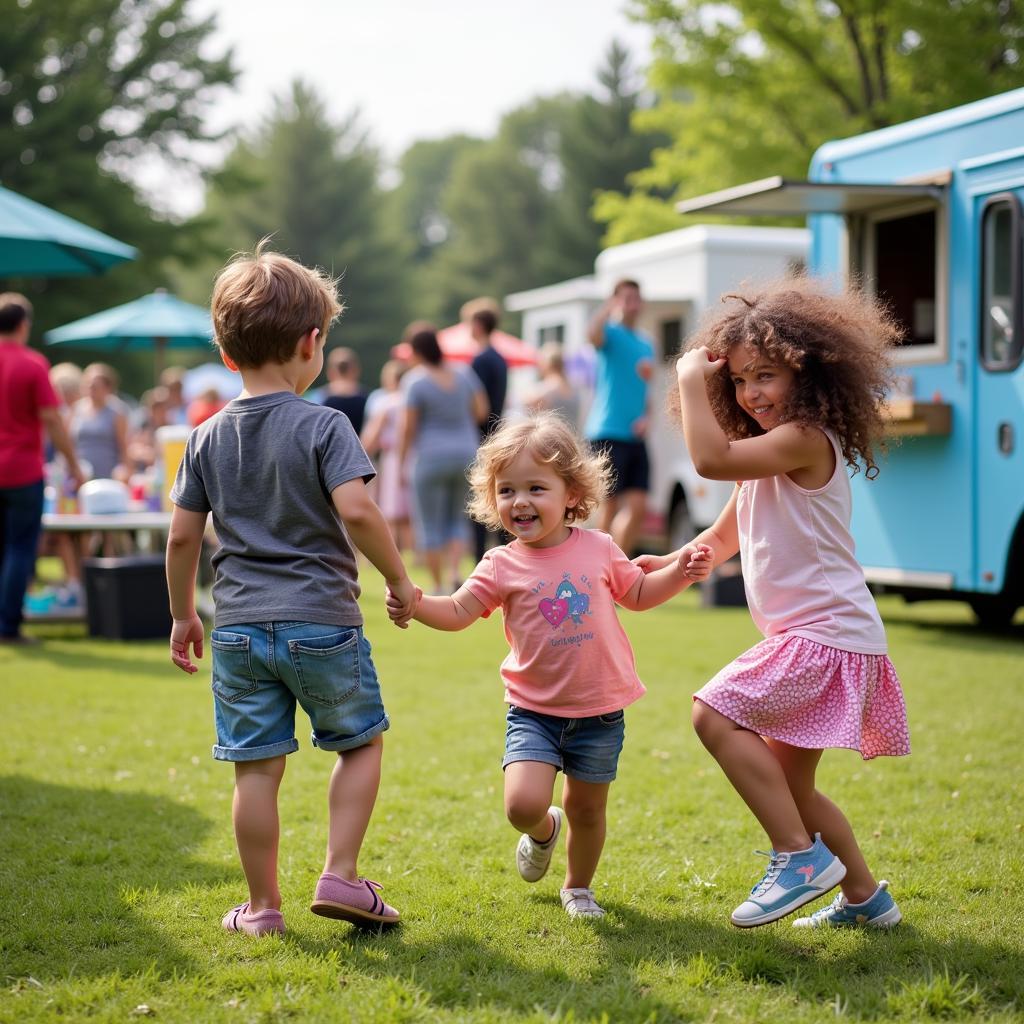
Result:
[
  {"x": 777, "y": 391},
  {"x": 570, "y": 670}
]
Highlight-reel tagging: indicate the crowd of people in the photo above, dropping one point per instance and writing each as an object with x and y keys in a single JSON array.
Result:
[{"x": 422, "y": 426}]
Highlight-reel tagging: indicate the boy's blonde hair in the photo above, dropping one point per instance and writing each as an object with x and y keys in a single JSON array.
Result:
[
  {"x": 551, "y": 441},
  {"x": 263, "y": 303}
]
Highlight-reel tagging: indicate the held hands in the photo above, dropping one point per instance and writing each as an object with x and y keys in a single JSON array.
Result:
[
  {"x": 695, "y": 560},
  {"x": 698, "y": 363},
  {"x": 185, "y": 632},
  {"x": 401, "y": 600}
]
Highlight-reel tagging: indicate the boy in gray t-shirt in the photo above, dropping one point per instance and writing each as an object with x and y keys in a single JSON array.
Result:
[{"x": 286, "y": 483}]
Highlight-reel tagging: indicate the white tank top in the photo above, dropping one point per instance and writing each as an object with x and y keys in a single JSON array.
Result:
[{"x": 799, "y": 569}]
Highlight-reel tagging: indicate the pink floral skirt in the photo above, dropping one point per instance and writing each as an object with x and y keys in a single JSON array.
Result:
[{"x": 808, "y": 695}]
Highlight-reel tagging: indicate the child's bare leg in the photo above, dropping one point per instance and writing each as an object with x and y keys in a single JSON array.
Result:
[
  {"x": 819, "y": 814},
  {"x": 755, "y": 774},
  {"x": 257, "y": 828},
  {"x": 456, "y": 549},
  {"x": 434, "y": 559},
  {"x": 351, "y": 795},
  {"x": 606, "y": 513},
  {"x": 528, "y": 789},
  {"x": 584, "y": 804}
]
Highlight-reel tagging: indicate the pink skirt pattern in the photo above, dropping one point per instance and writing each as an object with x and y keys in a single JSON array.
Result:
[{"x": 808, "y": 695}]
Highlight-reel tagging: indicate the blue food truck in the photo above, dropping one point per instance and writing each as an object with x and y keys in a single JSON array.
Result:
[{"x": 928, "y": 214}]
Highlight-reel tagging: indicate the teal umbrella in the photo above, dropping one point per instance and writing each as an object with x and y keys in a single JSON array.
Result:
[
  {"x": 36, "y": 241},
  {"x": 158, "y": 321}
]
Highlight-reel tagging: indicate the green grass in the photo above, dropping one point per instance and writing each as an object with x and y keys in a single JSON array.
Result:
[{"x": 117, "y": 859}]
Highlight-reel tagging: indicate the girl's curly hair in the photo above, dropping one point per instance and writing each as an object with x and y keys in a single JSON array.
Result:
[
  {"x": 551, "y": 441},
  {"x": 837, "y": 344}
]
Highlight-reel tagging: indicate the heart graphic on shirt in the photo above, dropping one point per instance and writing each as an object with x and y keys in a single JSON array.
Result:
[
  {"x": 578, "y": 605},
  {"x": 554, "y": 611}
]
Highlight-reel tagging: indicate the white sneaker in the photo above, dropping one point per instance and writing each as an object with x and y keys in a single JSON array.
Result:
[
  {"x": 581, "y": 903},
  {"x": 532, "y": 858}
]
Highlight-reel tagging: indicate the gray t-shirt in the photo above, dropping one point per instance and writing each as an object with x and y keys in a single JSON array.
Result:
[
  {"x": 266, "y": 467},
  {"x": 447, "y": 428}
]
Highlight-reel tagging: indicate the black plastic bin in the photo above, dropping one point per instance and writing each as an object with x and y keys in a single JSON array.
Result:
[
  {"x": 126, "y": 598},
  {"x": 725, "y": 587}
]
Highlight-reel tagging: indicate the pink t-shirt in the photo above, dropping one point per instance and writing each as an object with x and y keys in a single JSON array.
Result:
[
  {"x": 569, "y": 655},
  {"x": 799, "y": 569}
]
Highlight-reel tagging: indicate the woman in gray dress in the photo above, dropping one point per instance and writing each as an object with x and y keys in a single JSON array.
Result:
[
  {"x": 440, "y": 433},
  {"x": 99, "y": 426}
]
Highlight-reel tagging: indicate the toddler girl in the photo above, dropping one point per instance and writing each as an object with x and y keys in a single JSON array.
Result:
[
  {"x": 570, "y": 670},
  {"x": 781, "y": 391}
]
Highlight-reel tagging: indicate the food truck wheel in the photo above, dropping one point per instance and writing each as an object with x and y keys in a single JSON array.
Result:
[{"x": 996, "y": 611}]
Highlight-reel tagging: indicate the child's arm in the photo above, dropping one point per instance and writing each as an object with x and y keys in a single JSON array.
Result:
[
  {"x": 450, "y": 614},
  {"x": 184, "y": 542},
  {"x": 371, "y": 534},
  {"x": 692, "y": 563},
  {"x": 786, "y": 448},
  {"x": 722, "y": 537}
]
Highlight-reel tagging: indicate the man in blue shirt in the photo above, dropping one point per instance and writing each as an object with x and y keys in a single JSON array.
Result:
[{"x": 618, "y": 418}]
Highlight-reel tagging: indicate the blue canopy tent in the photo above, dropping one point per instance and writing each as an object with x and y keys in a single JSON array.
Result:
[
  {"x": 157, "y": 321},
  {"x": 36, "y": 241}
]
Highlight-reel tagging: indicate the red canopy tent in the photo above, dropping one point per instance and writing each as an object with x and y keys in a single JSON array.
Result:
[{"x": 457, "y": 344}]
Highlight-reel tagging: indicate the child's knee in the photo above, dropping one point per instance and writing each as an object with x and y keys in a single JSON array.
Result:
[
  {"x": 705, "y": 721},
  {"x": 583, "y": 812},
  {"x": 524, "y": 810}
]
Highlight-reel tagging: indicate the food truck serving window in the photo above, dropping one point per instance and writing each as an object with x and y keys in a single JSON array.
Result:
[
  {"x": 900, "y": 255},
  {"x": 1002, "y": 336}
]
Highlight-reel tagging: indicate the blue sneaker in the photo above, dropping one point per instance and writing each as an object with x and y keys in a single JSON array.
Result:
[
  {"x": 792, "y": 879},
  {"x": 878, "y": 912}
]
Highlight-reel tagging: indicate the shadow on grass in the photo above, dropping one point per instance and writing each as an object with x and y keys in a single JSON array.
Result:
[
  {"x": 99, "y": 654},
  {"x": 75, "y": 862},
  {"x": 963, "y": 635},
  {"x": 870, "y": 975}
]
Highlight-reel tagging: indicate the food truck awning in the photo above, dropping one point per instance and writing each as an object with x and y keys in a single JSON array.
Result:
[{"x": 783, "y": 197}]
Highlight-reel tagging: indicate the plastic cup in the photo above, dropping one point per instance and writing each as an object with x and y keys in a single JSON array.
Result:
[{"x": 171, "y": 446}]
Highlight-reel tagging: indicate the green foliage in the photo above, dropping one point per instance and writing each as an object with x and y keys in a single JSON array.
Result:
[
  {"x": 119, "y": 858},
  {"x": 600, "y": 148},
  {"x": 312, "y": 185},
  {"x": 753, "y": 87},
  {"x": 87, "y": 88},
  {"x": 515, "y": 211}
]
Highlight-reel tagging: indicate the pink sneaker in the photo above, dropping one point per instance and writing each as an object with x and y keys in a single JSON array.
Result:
[
  {"x": 266, "y": 922},
  {"x": 357, "y": 902}
]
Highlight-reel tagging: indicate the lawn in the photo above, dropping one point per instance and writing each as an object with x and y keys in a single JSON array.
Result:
[{"x": 118, "y": 860}]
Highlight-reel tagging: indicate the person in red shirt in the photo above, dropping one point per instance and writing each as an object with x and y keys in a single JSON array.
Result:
[{"x": 28, "y": 404}]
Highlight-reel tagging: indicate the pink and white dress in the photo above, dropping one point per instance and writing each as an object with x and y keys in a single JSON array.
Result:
[{"x": 821, "y": 677}]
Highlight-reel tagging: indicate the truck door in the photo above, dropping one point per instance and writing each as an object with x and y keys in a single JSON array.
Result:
[{"x": 999, "y": 409}]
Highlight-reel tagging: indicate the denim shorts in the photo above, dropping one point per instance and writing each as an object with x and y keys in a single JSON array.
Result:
[
  {"x": 261, "y": 671},
  {"x": 586, "y": 748}
]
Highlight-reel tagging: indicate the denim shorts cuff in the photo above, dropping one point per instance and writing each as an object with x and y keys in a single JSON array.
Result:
[
  {"x": 590, "y": 776},
  {"x": 351, "y": 742},
  {"x": 268, "y": 750},
  {"x": 544, "y": 756}
]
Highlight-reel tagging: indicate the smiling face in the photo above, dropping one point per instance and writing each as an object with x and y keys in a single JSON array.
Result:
[
  {"x": 762, "y": 387},
  {"x": 532, "y": 499}
]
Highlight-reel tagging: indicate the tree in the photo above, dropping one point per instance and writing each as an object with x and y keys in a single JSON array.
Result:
[
  {"x": 753, "y": 87},
  {"x": 87, "y": 89},
  {"x": 518, "y": 209},
  {"x": 312, "y": 185},
  {"x": 598, "y": 151},
  {"x": 497, "y": 203}
]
